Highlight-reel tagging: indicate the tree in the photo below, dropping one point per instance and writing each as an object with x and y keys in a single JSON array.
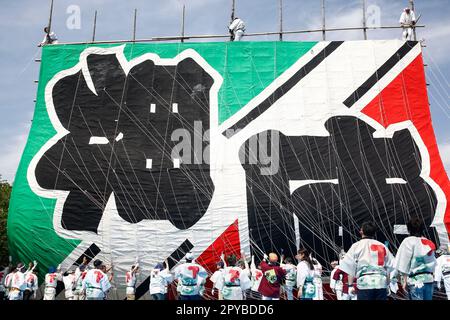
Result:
[{"x": 5, "y": 192}]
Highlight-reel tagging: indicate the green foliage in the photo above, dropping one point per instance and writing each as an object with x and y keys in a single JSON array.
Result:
[{"x": 5, "y": 192}]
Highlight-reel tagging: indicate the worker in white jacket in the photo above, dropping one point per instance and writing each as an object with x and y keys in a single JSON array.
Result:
[
  {"x": 160, "y": 278},
  {"x": 18, "y": 284},
  {"x": 407, "y": 21},
  {"x": 415, "y": 261},
  {"x": 237, "y": 29},
  {"x": 49, "y": 38},
  {"x": 371, "y": 262},
  {"x": 442, "y": 272},
  {"x": 96, "y": 283},
  {"x": 31, "y": 280},
  {"x": 234, "y": 280},
  {"x": 51, "y": 280}
]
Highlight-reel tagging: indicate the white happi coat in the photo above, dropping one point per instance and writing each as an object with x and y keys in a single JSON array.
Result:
[
  {"x": 442, "y": 272},
  {"x": 233, "y": 283},
  {"x": 415, "y": 257},
  {"x": 159, "y": 280},
  {"x": 370, "y": 261},
  {"x": 96, "y": 284},
  {"x": 191, "y": 278}
]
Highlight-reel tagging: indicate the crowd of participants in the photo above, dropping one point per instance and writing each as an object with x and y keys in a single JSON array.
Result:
[{"x": 368, "y": 271}]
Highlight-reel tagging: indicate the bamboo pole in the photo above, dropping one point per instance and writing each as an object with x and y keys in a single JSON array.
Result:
[
  {"x": 280, "y": 10},
  {"x": 364, "y": 19},
  {"x": 323, "y": 20},
  {"x": 182, "y": 23},
  {"x": 94, "y": 27},
  {"x": 134, "y": 25}
]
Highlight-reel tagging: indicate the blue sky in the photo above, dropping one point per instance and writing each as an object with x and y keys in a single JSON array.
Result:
[{"x": 22, "y": 22}]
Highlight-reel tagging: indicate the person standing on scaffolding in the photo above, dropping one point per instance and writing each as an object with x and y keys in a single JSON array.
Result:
[
  {"x": 237, "y": 29},
  {"x": 407, "y": 21},
  {"x": 49, "y": 38}
]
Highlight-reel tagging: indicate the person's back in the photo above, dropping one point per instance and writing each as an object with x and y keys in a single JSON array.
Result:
[
  {"x": 160, "y": 278},
  {"x": 305, "y": 280},
  {"x": 443, "y": 272},
  {"x": 69, "y": 280},
  {"x": 190, "y": 277},
  {"x": 416, "y": 262},
  {"x": 7, "y": 282},
  {"x": 291, "y": 277},
  {"x": 234, "y": 281},
  {"x": 31, "y": 281},
  {"x": 51, "y": 282},
  {"x": 273, "y": 276},
  {"x": 18, "y": 284},
  {"x": 370, "y": 261},
  {"x": 96, "y": 282}
]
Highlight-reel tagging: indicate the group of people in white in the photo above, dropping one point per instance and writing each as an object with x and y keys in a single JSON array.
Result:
[{"x": 368, "y": 271}]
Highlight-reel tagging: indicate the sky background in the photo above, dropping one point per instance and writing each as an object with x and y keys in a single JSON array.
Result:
[{"x": 22, "y": 22}]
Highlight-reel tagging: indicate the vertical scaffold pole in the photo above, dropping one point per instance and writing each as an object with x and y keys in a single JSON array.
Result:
[
  {"x": 182, "y": 23},
  {"x": 323, "y": 20},
  {"x": 233, "y": 4},
  {"x": 134, "y": 24},
  {"x": 50, "y": 17},
  {"x": 95, "y": 26},
  {"x": 411, "y": 5},
  {"x": 364, "y": 19},
  {"x": 280, "y": 11}
]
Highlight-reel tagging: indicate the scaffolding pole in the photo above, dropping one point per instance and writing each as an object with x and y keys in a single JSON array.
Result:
[
  {"x": 233, "y": 6},
  {"x": 182, "y": 23},
  {"x": 411, "y": 4},
  {"x": 134, "y": 25},
  {"x": 94, "y": 27},
  {"x": 280, "y": 12},
  {"x": 364, "y": 19},
  {"x": 323, "y": 20},
  {"x": 50, "y": 18}
]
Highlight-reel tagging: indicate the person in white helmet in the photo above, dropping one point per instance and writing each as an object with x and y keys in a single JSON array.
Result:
[
  {"x": 191, "y": 277},
  {"x": 237, "y": 29},
  {"x": 407, "y": 21},
  {"x": 442, "y": 273}
]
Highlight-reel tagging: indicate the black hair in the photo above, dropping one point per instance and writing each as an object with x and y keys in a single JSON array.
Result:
[
  {"x": 415, "y": 226},
  {"x": 369, "y": 229},
  {"x": 289, "y": 260},
  {"x": 98, "y": 263},
  {"x": 231, "y": 260},
  {"x": 306, "y": 257}
]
